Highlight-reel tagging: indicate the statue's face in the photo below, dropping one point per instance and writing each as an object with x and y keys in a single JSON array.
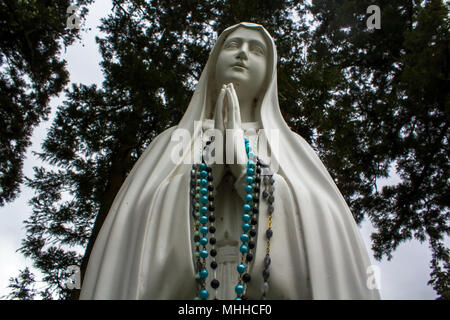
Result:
[{"x": 243, "y": 61}]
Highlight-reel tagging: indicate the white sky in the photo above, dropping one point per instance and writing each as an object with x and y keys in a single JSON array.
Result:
[{"x": 404, "y": 277}]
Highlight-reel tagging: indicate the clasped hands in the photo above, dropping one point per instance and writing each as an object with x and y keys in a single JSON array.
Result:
[{"x": 227, "y": 120}]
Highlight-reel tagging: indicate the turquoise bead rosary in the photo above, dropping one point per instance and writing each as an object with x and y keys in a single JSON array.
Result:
[{"x": 202, "y": 201}]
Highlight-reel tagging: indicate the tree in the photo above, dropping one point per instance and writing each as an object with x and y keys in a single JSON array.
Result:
[
  {"x": 20, "y": 286},
  {"x": 32, "y": 35},
  {"x": 384, "y": 102}
]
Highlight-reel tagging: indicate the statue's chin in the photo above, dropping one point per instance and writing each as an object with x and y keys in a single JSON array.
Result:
[
  {"x": 236, "y": 84},
  {"x": 243, "y": 87}
]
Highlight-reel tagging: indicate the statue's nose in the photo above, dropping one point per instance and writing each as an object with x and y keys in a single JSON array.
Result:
[{"x": 243, "y": 55}]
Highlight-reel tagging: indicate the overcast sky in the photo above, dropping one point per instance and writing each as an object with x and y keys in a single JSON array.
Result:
[{"x": 404, "y": 277}]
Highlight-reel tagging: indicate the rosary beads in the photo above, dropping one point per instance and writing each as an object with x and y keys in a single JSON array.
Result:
[{"x": 202, "y": 202}]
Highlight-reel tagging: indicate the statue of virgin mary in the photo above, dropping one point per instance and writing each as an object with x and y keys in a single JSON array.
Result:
[{"x": 295, "y": 239}]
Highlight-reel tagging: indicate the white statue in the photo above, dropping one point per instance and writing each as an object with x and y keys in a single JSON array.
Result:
[{"x": 148, "y": 247}]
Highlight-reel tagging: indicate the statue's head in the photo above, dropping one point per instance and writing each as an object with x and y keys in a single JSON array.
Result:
[
  {"x": 242, "y": 60},
  {"x": 243, "y": 57}
]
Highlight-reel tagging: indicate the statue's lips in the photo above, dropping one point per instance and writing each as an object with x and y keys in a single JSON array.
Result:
[{"x": 239, "y": 65}]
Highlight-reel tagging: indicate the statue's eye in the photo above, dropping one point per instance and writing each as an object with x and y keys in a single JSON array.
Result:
[
  {"x": 258, "y": 50},
  {"x": 232, "y": 45}
]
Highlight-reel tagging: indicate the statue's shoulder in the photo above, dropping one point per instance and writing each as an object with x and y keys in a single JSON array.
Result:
[
  {"x": 163, "y": 137},
  {"x": 300, "y": 138},
  {"x": 166, "y": 132},
  {"x": 305, "y": 144}
]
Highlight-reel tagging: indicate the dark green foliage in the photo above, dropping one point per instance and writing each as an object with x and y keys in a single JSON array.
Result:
[
  {"x": 32, "y": 35},
  {"x": 385, "y": 106},
  {"x": 20, "y": 286},
  {"x": 369, "y": 101}
]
